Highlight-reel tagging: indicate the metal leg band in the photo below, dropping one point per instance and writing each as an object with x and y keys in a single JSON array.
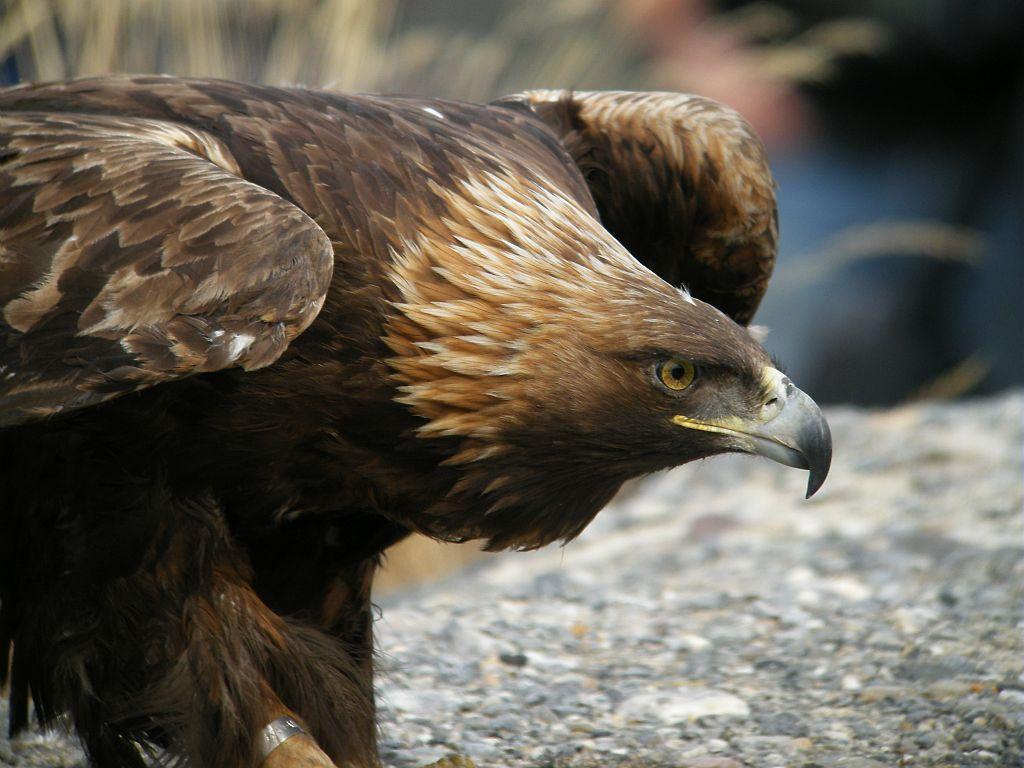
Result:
[{"x": 276, "y": 733}]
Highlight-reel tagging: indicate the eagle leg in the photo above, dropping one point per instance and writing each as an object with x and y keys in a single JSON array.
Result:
[
  {"x": 318, "y": 572},
  {"x": 255, "y": 666},
  {"x": 177, "y": 652}
]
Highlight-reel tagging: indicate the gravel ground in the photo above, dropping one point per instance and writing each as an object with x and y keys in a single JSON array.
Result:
[{"x": 710, "y": 618}]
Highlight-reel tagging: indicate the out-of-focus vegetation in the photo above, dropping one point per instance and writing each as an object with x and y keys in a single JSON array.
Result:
[
  {"x": 349, "y": 45},
  {"x": 469, "y": 49}
]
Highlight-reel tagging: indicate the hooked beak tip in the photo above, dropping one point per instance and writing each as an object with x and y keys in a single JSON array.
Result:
[{"x": 815, "y": 443}]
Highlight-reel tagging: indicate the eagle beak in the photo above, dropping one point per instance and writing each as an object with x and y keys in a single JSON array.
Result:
[
  {"x": 792, "y": 430},
  {"x": 789, "y": 429}
]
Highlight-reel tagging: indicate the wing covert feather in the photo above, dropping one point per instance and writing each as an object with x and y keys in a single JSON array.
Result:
[
  {"x": 131, "y": 253},
  {"x": 682, "y": 181}
]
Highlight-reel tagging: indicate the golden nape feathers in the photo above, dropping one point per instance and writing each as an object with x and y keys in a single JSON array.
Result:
[{"x": 254, "y": 336}]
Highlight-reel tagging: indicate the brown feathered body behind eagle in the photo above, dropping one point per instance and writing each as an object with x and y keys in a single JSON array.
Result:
[{"x": 253, "y": 336}]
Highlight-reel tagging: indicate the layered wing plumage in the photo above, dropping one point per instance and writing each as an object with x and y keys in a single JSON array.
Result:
[
  {"x": 132, "y": 253},
  {"x": 682, "y": 181}
]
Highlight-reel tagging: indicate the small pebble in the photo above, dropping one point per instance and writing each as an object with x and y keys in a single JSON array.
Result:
[{"x": 682, "y": 704}]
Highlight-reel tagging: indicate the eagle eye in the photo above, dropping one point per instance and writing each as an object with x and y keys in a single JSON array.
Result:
[{"x": 675, "y": 374}]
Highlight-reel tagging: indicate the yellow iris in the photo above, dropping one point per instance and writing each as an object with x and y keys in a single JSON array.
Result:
[{"x": 676, "y": 374}]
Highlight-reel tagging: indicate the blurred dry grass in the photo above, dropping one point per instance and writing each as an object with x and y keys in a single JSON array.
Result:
[
  {"x": 425, "y": 46},
  {"x": 414, "y": 46},
  {"x": 351, "y": 45},
  {"x": 905, "y": 238}
]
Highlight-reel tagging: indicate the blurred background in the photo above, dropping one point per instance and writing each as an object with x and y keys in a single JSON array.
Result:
[{"x": 895, "y": 129}]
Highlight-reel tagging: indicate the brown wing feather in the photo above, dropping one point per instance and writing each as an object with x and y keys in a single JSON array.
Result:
[
  {"x": 131, "y": 253},
  {"x": 680, "y": 180},
  {"x": 324, "y": 150}
]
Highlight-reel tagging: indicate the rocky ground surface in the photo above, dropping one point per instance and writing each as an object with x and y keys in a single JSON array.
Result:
[{"x": 711, "y": 618}]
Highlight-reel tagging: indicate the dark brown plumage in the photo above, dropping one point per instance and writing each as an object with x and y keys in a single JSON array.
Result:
[{"x": 254, "y": 336}]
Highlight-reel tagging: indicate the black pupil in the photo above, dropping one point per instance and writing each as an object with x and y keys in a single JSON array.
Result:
[{"x": 677, "y": 372}]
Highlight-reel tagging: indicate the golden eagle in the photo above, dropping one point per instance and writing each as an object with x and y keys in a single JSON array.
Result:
[{"x": 253, "y": 336}]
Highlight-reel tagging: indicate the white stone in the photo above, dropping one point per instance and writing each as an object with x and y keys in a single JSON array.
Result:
[
  {"x": 682, "y": 704},
  {"x": 693, "y": 642}
]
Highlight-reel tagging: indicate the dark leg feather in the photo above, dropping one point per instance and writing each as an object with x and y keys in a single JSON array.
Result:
[
  {"x": 181, "y": 654},
  {"x": 319, "y": 570}
]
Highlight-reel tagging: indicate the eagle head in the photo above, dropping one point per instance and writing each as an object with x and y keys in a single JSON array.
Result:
[{"x": 548, "y": 366}]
